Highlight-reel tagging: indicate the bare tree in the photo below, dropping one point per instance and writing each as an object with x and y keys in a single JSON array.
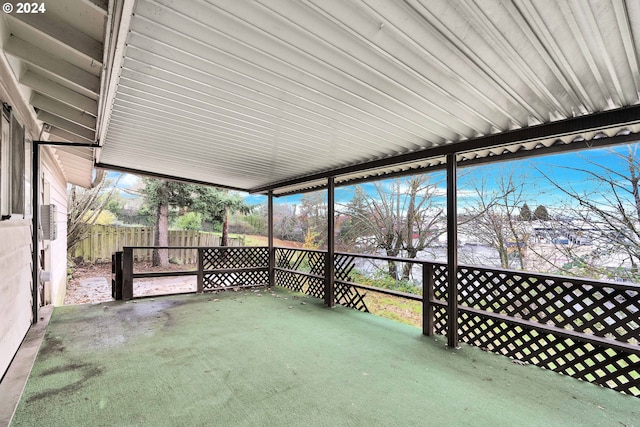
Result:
[
  {"x": 606, "y": 214},
  {"x": 399, "y": 217},
  {"x": 286, "y": 225},
  {"x": 494, "y": 218},
  {"x": 85, "y": 206}
]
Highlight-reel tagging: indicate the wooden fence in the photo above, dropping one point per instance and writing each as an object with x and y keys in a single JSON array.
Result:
[{"x": 104, "y": 240}]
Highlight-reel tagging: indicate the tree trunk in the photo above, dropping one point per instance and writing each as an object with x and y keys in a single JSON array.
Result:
[
  {"x": 392, "y": 266},
  {"x": 406, "y": 268},
  {"x": 161, "y": 256},
  {"x": 225, "y": 228},
  {"x": 504, "y": 256}
]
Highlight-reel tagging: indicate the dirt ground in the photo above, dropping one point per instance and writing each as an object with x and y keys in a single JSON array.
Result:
[{"x": 91, "y": 283}]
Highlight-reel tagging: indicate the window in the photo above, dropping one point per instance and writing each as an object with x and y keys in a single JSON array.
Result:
[
  {"x": 15, "y": 159},
  {"x": 17, "y": 167},
  {"x": 5, "y": 155}
]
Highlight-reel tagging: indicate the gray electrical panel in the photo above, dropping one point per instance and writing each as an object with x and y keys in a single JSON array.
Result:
[{"x": 49, "y": 217}]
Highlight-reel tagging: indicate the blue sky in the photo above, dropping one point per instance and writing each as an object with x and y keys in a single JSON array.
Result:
[{"x": 530, "y": 171}]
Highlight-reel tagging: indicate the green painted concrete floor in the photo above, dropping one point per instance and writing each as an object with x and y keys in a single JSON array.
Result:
[{"x": 283, "y": 359}]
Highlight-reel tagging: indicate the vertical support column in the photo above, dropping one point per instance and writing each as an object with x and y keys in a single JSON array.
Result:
[
  {"x": 329, "y": 278},
  {"x": 452, "y": 252},
  {"x": 127, "y": 273},
  {"x": 427, "y": 298},
  {"x": 35, "y": 249},
  {"x": 117, "y": 271},
  {"x": 272, "y": 250},
  {"x": 200, "y": 284}
]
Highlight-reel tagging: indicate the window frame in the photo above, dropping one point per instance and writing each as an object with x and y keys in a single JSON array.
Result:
[{"x": 15, "y": 168}]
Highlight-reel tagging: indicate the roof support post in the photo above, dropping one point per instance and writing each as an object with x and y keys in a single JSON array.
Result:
[
  {"x": 272, "y": 251},
  {"x": 329, "y": 279},
  {"x": 35, "y": 216},
  {"x": 452, "y": 252}
]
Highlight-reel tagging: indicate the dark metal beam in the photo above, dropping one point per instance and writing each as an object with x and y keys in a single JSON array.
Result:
[
  {"x": 165, "y": 176},
  {"x": 592, "y": 122},
  {"x": 452, "y": 253},
  {"x": 329, "y": 283},
  {"x": 67, "y": 144},
  {"x": 559, "y": 148}
]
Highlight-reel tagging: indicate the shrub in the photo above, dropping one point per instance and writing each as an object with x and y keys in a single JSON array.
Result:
[{"x": 189, "y": 221}]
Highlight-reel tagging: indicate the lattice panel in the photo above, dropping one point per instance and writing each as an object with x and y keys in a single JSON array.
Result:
[
  {"x": 440, "y": 282},
  {"x": 343, "y": 266},
  {"x": 349, "y": 296},
  {"x": 291, "y": 259},
  {"x": 314, "y": 263},
  {"x": 216, "y": 281},
  {"x": 315, "y": 287},
  {"x": 440, "y": 320},
  {"x": 232, "y": 258},
  {"x": 290, "y": 280},
  {"x": 301, "y": 260},
  {"x": 565, "y": 303},
  {"x": 608, "y": 367}
]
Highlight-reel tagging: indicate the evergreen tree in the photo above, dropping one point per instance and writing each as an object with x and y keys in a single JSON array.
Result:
[
  {"x": 214, "y": 205},
  {"x": 525, "y": 212},
  {"x": 541, "y": 213}
]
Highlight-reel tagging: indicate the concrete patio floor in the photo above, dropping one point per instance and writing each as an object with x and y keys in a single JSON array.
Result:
[{"x": 280, "y": 358}]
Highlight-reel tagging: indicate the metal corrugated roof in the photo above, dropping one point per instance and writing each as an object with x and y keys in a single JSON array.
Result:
[
  {"x": 77, "y": 164},
  {"x": 249, "y": 94}
]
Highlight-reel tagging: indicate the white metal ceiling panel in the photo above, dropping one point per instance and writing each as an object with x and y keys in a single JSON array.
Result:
[{"x": 246, "y": 94}]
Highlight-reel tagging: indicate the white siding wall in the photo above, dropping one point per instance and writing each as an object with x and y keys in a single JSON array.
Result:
[
  {"x": 15, "y": 265},
  {"x": 15, "y": 287},
  {"x": 15, "y": 234},
  {"x": 56, "y": 261}
]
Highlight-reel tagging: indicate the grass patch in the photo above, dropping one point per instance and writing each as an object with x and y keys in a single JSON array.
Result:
[{"x": 394, "y": 308}]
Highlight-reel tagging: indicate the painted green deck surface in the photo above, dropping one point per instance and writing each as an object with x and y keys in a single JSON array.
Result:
[{"x": 271, "y": 360}]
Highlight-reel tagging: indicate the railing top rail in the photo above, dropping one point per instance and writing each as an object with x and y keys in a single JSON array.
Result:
[
  {"x": 194, "y": 247},
  {"x": 322, "y": 251},
  {"x": 539, "y": 276},
  {"x": 370, "y": 256},
  {"x": 559, "y": 278},
  {"x": 390, "y": 258}
]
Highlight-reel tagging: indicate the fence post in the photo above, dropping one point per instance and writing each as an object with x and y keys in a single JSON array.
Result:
[
  {"x": 427, "y": 298},
  {"x": 200, "y": 288},
  {"x": 116, "y": 270},
  {"x": 127, "y": 273}
]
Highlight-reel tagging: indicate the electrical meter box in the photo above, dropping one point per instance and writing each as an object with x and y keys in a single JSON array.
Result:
[{"x": 49, "y": 217}]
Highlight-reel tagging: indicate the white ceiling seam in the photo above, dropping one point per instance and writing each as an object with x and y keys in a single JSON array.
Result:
[
  {"x": 294, "y": 112},
  {"x": 473, "y": 61},
  {"x": 357, "y": 124},
  {"x": 411, "y": 29},
  {"x": 375, "y": 62},
  {"x": 406, "y": 62},
  {"x": 342, "y": 73},
  {"x": 305, "y": 68}
]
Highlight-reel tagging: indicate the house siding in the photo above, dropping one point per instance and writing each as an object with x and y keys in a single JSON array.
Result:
[
  {"x": 15, "y": 287},
  {"x": 15, "y": 265},
  {"x": 56, "y": 261}
]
